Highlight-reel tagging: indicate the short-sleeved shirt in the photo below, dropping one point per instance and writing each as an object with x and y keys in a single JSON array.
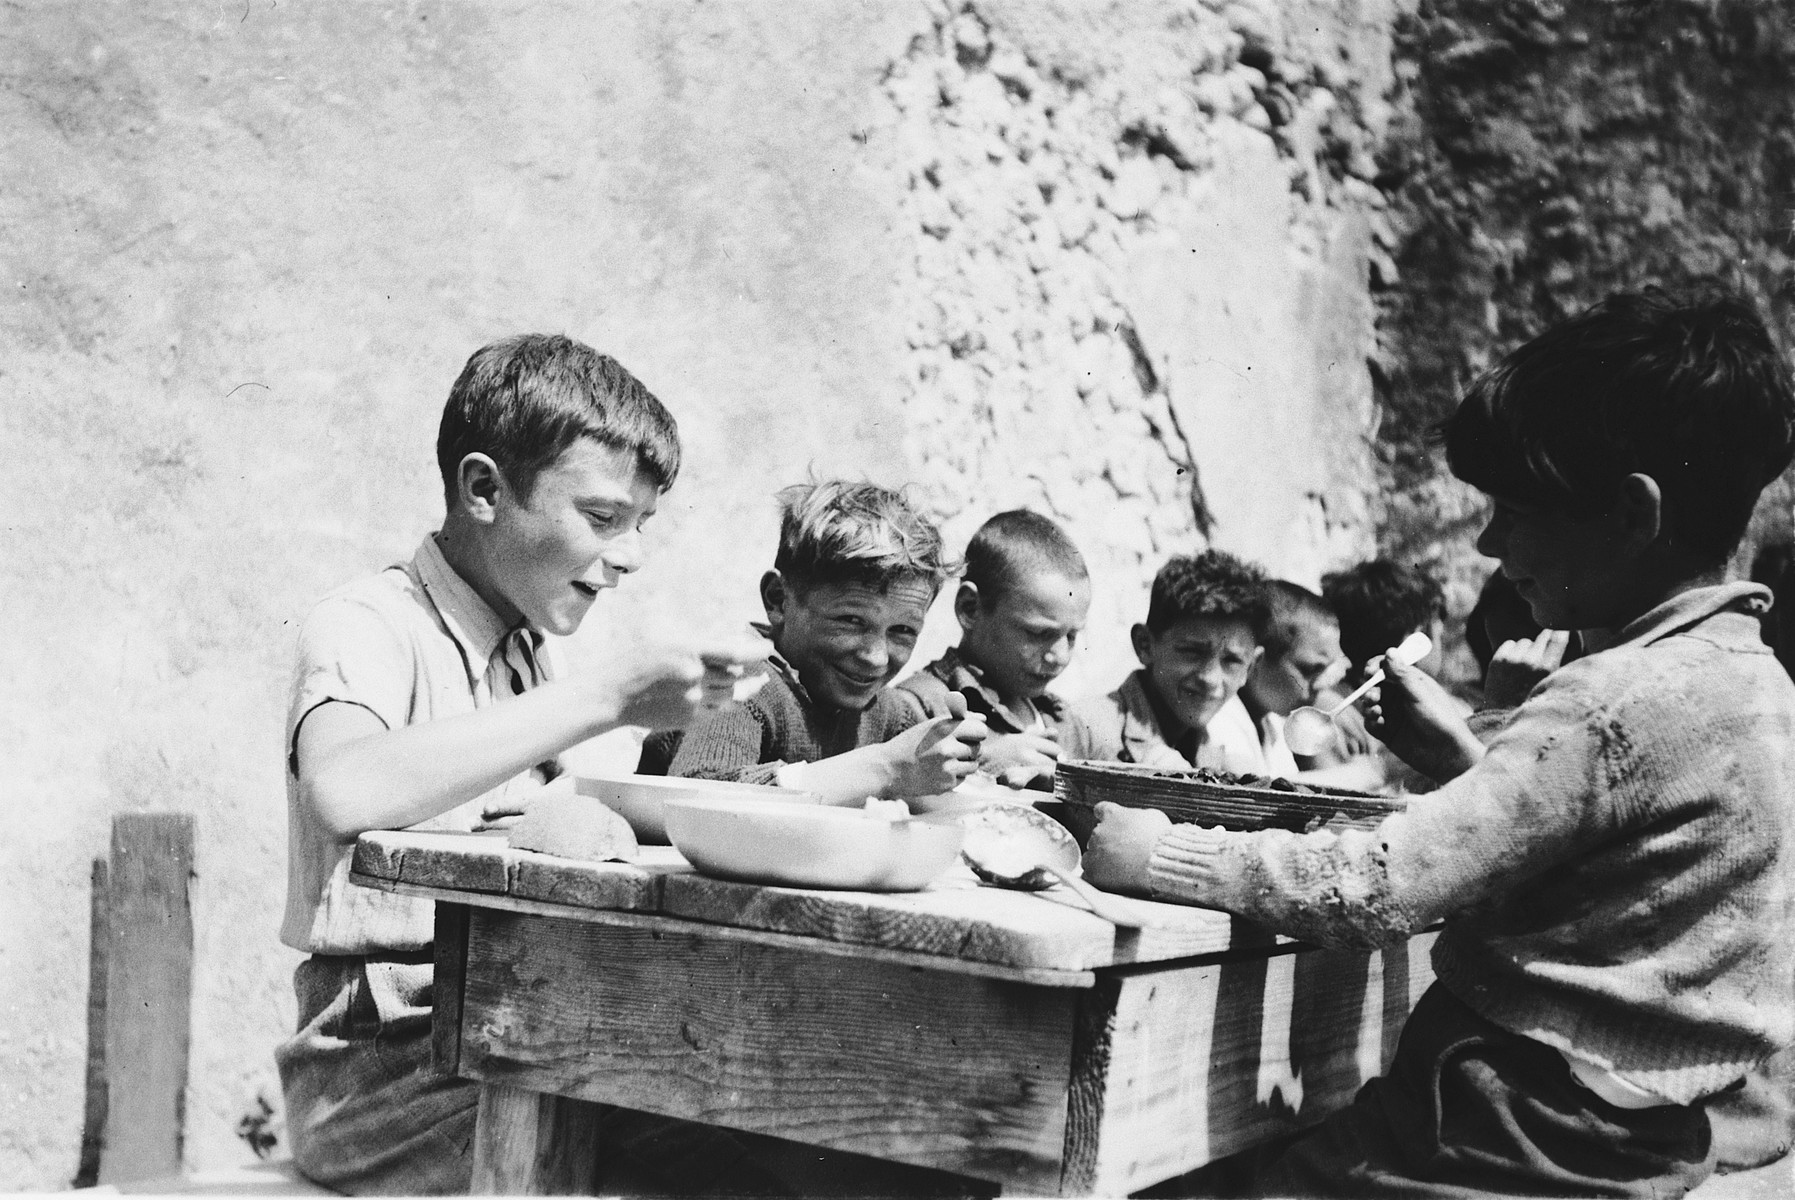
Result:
[
  {"x": 410, "y": 644},
  {"x": 1125, "y": 726}
]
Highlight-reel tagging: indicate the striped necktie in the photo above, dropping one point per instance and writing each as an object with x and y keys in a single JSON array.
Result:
[{"x": 519, "y": 650}]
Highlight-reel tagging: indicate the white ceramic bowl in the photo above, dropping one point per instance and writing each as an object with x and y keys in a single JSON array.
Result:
[
  {"x": 641, "y": 799},
  {"x": 807, "y": 845}
]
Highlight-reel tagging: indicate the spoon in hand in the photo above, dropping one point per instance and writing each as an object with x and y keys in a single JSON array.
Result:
[
  {"x": 1018, "y": 846},
  {"x": 1308, "y": 730}
]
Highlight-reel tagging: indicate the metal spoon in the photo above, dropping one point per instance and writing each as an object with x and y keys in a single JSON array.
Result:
[
  {"x": 1017, "y": 846},
  {"x": 1307, "y": 730}
]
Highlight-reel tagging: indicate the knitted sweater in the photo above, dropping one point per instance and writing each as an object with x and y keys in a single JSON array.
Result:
[
  {"x": 1617, "y": 876},
  {"x": 781, "y": 724}
]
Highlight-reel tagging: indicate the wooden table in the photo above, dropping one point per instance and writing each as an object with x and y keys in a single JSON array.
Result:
[{"x": 1012, "y": 1037}]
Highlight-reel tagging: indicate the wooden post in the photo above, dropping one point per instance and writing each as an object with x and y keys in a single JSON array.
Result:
[
  {"x": 149, "y": 983},
  {"x": 93, "y": 1122},
  {"x": 530, "y": 1144}
]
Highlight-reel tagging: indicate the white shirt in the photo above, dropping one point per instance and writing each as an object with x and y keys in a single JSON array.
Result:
[{"x": 411, "y": 644}]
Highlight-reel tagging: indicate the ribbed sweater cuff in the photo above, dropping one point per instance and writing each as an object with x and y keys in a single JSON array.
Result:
[{"x": 1186, "y": 864}]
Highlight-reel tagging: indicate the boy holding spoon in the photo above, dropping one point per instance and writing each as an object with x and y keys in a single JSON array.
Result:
[{"x": 1614, "y": 870}]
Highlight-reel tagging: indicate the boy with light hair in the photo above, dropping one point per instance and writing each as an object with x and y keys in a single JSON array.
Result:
[{"x": 851, "y": 583}]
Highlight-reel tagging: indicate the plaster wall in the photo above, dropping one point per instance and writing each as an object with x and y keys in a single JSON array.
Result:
[{"x": 248, "y": 247}]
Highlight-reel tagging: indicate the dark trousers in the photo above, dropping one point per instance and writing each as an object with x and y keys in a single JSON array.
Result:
[{"x": 1470, "y": 1110}]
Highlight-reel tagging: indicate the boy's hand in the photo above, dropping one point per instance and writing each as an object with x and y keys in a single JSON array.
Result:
[
  {"x": 1121, "y": 847},
  {"x": 933, "y": 757},
  {"x": 1350, "y": 732},
  {"x": 1018, "y": 759},
  {"x": 1520, "y": 664},
  {"x": 1416, "y": 717},
  {"x": 663, "y": 696},
  {"x": 504, "y": 812}
]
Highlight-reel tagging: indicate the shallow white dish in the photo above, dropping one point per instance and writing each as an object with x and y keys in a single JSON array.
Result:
[
  {"x": 810, "y": 845},
  {"x": 641, "y": 799}
]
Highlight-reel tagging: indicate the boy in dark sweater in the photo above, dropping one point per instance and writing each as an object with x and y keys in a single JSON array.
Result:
[
  {"x": 1023, "y": 598},
  {"x": 855, "y": 574},
  {"x": 1616, "y": 868}
]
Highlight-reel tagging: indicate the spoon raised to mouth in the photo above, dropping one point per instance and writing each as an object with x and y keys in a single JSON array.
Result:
[
  {"x": 1018, "y": 846},
  {"x": 1308, "y": 730}
]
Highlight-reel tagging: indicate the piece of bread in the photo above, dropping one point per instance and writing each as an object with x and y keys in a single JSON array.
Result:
[{"x": 574, "y": 826}]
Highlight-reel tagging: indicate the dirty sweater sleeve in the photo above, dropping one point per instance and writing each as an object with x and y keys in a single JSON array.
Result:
[{"x": 1531, "y": 803}]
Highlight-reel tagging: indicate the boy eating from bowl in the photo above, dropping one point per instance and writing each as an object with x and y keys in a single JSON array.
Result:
[
  {"x": 1205, "y": 619},
  {"x": 1614, "y": 869},
  {"x": 1022, "y": 602},
  {"x": 426, "y": 696},
  {"x": 852, "y": 581}
]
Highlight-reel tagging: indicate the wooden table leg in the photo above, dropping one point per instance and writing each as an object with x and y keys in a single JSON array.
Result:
[{"x": 532, "y": 1144}]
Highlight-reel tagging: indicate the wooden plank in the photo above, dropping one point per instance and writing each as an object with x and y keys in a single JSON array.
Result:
[
  {"x": 625, "y": 886},
  {"x": 93, "y": 1120},
  {"x": 1045, "y": 977},
  {"x": 149, "y": 956},
  {"x": 466, "y": 861},
  {"x": 529, "y": 1144},
  {"x": 1178, "y": 1067},
  {"x": 450, "y": 975},
  {"x": 958, "y": 917},
  {"x": 931, "y": 1067},
  {"x": 955, "y": 917}
]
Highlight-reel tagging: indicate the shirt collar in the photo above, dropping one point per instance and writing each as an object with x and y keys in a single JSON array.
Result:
[
  {"x": 468, "y": 619},
  {"x": 789, "y": 673},
  {"x": 961, "y": 674},
  {"x": 1143, "y": 727},
  {"x": 1692, "y": 607}
]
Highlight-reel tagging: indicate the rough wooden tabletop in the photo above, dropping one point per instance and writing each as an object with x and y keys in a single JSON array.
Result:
[{"x": 955, "y": 917}]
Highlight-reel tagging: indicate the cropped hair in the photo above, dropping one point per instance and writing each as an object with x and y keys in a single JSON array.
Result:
[
  {"x": 1292, "y": 606},
  {"x": 1014, "y": 545},
  {"x": 1380, "y": 602},
  {"x": 1211, "y": 584},
  {"x": 841, "y": 532},
  {"x": 1692, "y": 393},
  {"x": 524, "y": 400}
]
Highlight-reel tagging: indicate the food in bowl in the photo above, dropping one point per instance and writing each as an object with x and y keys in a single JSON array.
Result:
[
  {"x": 641, "y": 799},
  {"x": 810, "y": 845}
]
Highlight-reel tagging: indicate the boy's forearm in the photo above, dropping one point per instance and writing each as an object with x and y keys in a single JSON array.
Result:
[
  {"x": 849, "y": 778},
  {"x": 395, "y": 778},
  {"x": 1332, "y": 889}
]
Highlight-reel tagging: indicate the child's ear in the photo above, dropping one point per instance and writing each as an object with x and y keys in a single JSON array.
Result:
[
  {"x": 966, "y": 605},
  {"x": 774, "y": 592},
  {"x": 1142, "y": 641},
  {"x": 1641, "y": 512},
  {"x": 478, "y": 485}
]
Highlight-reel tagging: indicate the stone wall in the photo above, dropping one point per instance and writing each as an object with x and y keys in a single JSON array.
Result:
[
  {"x": 1142, "y": 240},
  {"x": 1110, "y": 260},
  {"x": 1543, "y": 156}
]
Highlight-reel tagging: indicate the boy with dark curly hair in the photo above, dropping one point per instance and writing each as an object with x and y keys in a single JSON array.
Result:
[{"x": 1205, "y": 620}]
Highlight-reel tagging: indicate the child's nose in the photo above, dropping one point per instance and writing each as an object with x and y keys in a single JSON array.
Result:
[{"x": 623, "y": 554}]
